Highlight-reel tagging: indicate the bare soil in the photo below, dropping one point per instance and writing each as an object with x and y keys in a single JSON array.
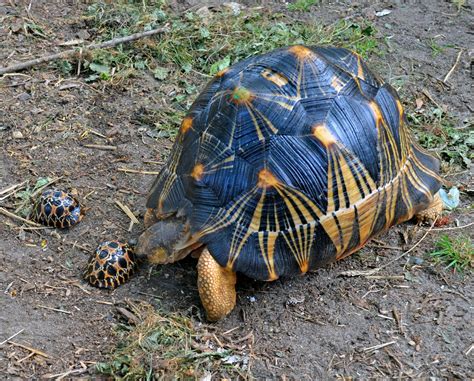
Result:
[{"x": 413, "y": 319}]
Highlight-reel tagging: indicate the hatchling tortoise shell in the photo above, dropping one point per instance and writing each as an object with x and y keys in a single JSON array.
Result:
[
  {"x": 285, "y": 162},
  {"x": 56, "y": 208},
  {"x": 111, "y": 265}
]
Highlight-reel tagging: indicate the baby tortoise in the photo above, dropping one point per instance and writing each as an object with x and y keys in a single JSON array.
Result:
[
  {"x": 111, "y": 265},
  {"x": 57, "y": 209}
]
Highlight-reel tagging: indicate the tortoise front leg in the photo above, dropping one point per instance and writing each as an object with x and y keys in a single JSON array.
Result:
[{"x": 216, "y": 287}]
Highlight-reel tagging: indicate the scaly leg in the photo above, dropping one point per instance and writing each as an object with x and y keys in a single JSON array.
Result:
[
  {"x": 216, "y": 287},
  {"x": 433, "y": 211}
]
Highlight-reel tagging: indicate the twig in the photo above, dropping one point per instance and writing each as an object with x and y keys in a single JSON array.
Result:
[
  {"x": 128, "y": 170},
  {"x": 12, "y": 336},
  {"x": 101, "y": 147},
  {"x": 60, "y": 376},
  {"x": 377, "y": 347},
  {"x": 18, "y": 218},
  {"x": 12, "y": 187},
  {"x": 72, "y": 52},
  {"x": 35, "y": 351},
  {"x": 454, "y": 66},
  {"x": 97, "y": 134},
  {"x": 430, "y": 97},
  {"x": 127, "y": 211},
  {"x": 148, "y": 294},
  {"x": 103, "y": 302},
  {"x": 399, "y": 277},
  {"x": 470, "y": 349},
  {"x": 55, "y": 309},
  {"x": 31, "y": 354},
  {"x": 39, "y": 190},
  {"x": 377, "y": 246},
  {"x": 454, "y": 227}
]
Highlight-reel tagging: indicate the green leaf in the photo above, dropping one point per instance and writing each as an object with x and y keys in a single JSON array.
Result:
[
  {"x": 204, "y": 32},
  {"x": 160, "y": 73},
  {"x": 187, "y": 67},
  {"x": 220, "y": 65},
  {"x": 99, "y": 68},
  {"x": 301, "y": 5},
  {"x": 41, "y": 182}
]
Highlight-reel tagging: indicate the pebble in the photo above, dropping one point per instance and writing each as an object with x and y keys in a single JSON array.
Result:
[{"x": 17, "y": 135}]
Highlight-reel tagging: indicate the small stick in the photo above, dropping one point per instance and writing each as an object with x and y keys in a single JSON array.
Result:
[
  {"x": 454, "y": 227},
  {"x": 101, "y": 147},
  {"x": 230, "y": 330},
  {"x": 377, "y": 246},
  {"x": 400, "y": 277},
  {"x": 55, "y": 309},
  {"x": 148, "y": 294},
  {"x": 38, "y": 191},
  {"x": 127, "y": 211},
  {"x": 72, "y": 52},
  {"x": 470, "y": 349},
  {"x": 430, "y": 97},
  {"x": 61, "y": 376},
  {"x": 454, "y": 66},
  {"x": 18, "y": 218},
  {"x": 103, "y": 302},
  {"x": 398, "y": 318},
  {"x": 35, "y": 351},
  {"x": 12, "y": 336},
  {"x": 12, "y": 187},
  {"x": 98, "y": 134},
  {"x": 31, "y": 354},
  {"x": 380, "y": 346},
  {"x": 128, "y": 170}
]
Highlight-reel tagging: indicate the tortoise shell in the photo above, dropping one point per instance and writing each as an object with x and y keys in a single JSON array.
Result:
[
  {"x": 57, "y": 209},
  {"x": 111, "y": 265},
  {"x": 293, "y": 159}
]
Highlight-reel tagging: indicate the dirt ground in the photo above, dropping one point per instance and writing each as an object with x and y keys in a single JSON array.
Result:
[{"x": 413, "y": 319}]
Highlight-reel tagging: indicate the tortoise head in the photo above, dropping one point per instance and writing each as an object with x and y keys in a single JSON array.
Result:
[{"x": 164, "y": 241}]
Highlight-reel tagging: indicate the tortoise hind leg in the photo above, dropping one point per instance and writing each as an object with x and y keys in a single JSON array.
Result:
[
  {"x": 432, "y": 211},
  {"x": 216, "y": 287}
]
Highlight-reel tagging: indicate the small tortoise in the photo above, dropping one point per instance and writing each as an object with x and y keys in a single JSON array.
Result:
[
  {"x": 111, "y": 265},
  {"x": 286, "y": 161},
  {"x": 57, "y": 209}
]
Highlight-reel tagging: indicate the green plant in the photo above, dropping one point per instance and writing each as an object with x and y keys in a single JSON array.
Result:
[
  {"x": 457, "y": 253},
  {"x": 437, "y": 48},
  {"x": 25, "y": 197},
  {"x": 436, "y": 130},
  {"x": 196, "y": 44},
  {"x": 196, "y": 47},
  {"x": 302, "y": 5},
  {"x": 459, "y": 3}
]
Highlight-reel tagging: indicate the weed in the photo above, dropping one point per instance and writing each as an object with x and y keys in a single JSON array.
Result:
[
  {"x": 206, "y": 45},
  {"x": 436, "y": 131},
  {"x": 457, "y": 253},
  {"x": 168, "y": 346},
  {"x": 302, "y": 5},
  {"x": 459, "y": 3},
  {"x": 198, "y": 45},
  {"x": 437, "y": 48},
  {"x": 25, "y": 197}
]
